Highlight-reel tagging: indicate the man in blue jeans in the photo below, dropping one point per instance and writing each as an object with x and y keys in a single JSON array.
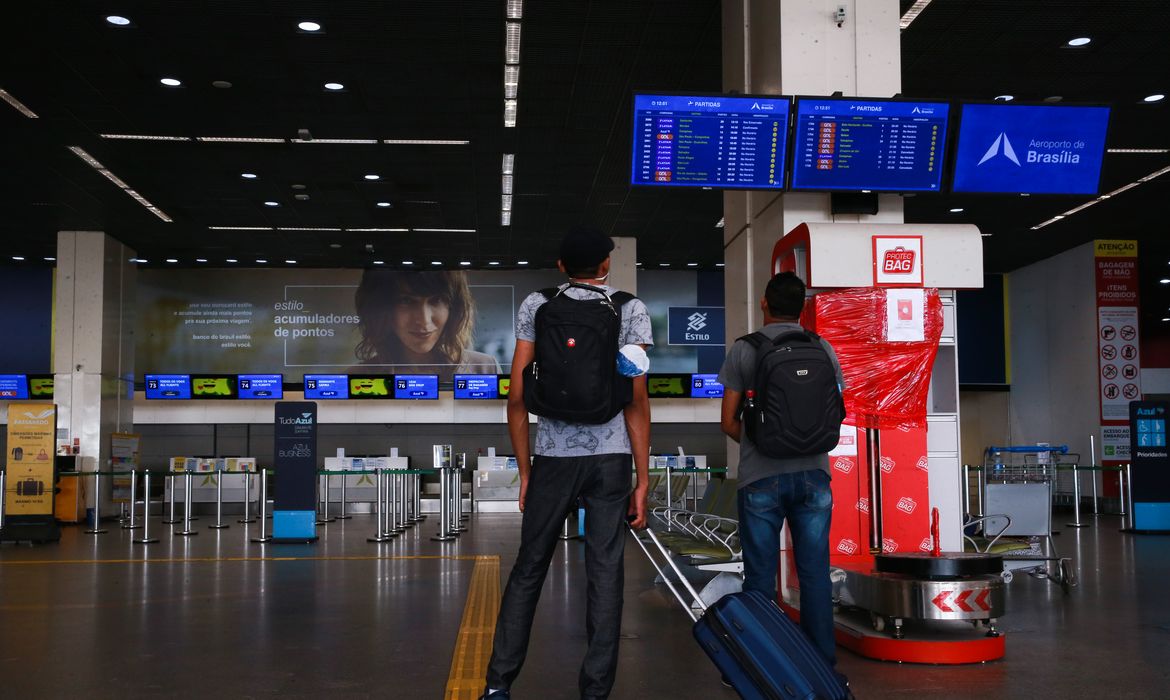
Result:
[{"x": 774, "y": 489}]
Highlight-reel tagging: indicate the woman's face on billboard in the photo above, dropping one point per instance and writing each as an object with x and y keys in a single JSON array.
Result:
[{"x": 419, "y": 321}]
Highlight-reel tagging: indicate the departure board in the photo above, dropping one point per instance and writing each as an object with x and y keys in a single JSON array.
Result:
[
  {"x": 881, "y": 146},
  {"x": 168, "y": 386},
  {"x": 723, "y": 142}
]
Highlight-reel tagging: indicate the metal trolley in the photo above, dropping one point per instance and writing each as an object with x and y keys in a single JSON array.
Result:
[{"x": 1015, "y": 486}]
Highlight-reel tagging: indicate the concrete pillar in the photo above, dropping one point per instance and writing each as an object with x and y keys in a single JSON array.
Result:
[
  {"x": 796, "y": 47},
  {"x": 93, "y": 348},
  {"x": 623, "y": 264}
]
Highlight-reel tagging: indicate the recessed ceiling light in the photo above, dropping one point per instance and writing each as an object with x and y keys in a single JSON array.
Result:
[
  {"x": 272, "y": 204},
  {"x": 221, "y": 84},
  {"x": 18, "y": 258},
  {"x": 720, "y": 264},
  {"x": 407, "y": 262},
  {"x": 334, "y": 245},
  {"x": 465, "y": 262},
  {"x": 1005, "y": 98},
  {"x": 1079, "y": 41},
  {"x": 372, "y": 176},
  {"x": 291, "y": 262},
  {"x": 301, "y": 197},
  {"x": 334, "y": 86},
  {"x": 493, "y": 262},
  {"x": 385, "y": 204},
  {"x": 118, "y": 20},
  {"x": 1153, "y": 98},
  {"x": 692, "y": 264},
  {"x": 521, "y": 262},
  {"x": 957, "y": 210},
  {"x": 663, "y": 264},
  {"x": 231, "y": 260},
  {"x": 309, "y": 27},
  {"x": 261, "y": 261},
  {"x": 436, "y": 262},
  {"x": 509, "y": 164},
  {"x": 172, "y": 260},
  {"x": 50, "y": 259},
  {"x": 200, "y": 260},
  {"x": 171, "y": 82},
  {"x": 141, "y": 261},
  {"x": 378, "y": 262},
  {"x": 1053, "y": 98},
  {"x": 248, "y": 176},
  {"x": 1164, "y": 281},
  {"x": 1166, "y": 319}
]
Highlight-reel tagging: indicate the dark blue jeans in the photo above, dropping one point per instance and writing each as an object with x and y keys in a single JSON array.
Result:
[
  {"x": 602, "y": 483},
  {"x": 806, "y": 500}
]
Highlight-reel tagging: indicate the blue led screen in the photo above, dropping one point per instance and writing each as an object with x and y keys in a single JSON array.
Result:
[
  {"x": 326, "y": 386},
  {"x": 880, "y": 146},
  {"x": 168, "y": 386},
  {"x": 416, "y": 386},
  {"x": 1005, "y": 148},
  {"x": 477, "y": 386},
  {"x": 261, "y": 386},
  {"x": 712, "y": 141},
  {"x": 705, "y": 386},
  {"x": 13, "y": 386}
]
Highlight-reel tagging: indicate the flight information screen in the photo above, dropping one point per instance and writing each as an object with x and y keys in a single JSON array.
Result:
[
  {"x": 705, "y": 386},
  {"x": 326, "y": 386},
  {"x": 880, "y": 146},
  {"x": 477, "y": 386},
  {"x": 13, "y": 386},
  {"x": 168, "y": 386},
  {"x": 261, "y": 386},
  {"x": 724, "y": 142},
  {"x": 416, "y": 386},
  {"x": 1030, "y": 149}
]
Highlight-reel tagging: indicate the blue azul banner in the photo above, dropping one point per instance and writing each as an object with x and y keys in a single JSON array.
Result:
[{"x": 695, "y": 325}]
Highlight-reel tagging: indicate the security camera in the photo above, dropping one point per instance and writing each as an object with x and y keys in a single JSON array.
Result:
[
  {"x": 369, "y": 247},
  {"x": 839, "y": 15},
  {"x": 304, "y": 135}
]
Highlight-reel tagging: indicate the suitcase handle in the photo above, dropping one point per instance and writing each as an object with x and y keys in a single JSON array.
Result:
[{"x": 666, "y": 579}]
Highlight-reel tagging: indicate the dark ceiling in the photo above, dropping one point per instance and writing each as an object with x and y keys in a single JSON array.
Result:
[{"x": 433, "y": 69}]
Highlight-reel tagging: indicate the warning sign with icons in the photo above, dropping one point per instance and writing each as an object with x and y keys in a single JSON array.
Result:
[{"x": 1119, "y": 364}]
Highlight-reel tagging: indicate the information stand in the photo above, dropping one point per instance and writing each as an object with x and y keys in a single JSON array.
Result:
[
  {"x": 1150, "y": 468},
  {"x": 295, "y": 459},
  {"x": 27, "y": 512}
]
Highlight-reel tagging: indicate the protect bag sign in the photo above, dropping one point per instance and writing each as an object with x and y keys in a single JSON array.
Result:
[{"x": 32, "y": 430}]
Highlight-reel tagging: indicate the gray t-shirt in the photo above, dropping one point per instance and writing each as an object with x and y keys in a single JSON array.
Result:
[
  {"x": 556, "y": 438},
  {"x": 736, "y": 374}
]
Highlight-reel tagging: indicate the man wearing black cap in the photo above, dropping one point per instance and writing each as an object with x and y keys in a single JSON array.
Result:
[{"x": 574, "y": 460}]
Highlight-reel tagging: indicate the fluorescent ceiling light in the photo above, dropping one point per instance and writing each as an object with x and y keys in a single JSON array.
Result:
[
  {"x": 371, "y": 176},
  {"x": 407, "y": 262},
  {"x": 511, "y": 81},
  {"x": 1080, "y": 41},
  {"x": 425, "y": 142},
  {"x": 171, "y": 82},
  {"x": 270, "y": 203},
  {"x": 200, "y": 260},
  {"x": 309, "y": 26},
  {"x": 506, "y": 184},
  {"x": 505, "y": 218},
  {"x": 493, "y": 262},
  {"x": 912, "y": 14},
  {"x": 1005, "y": 98},
  {"x": 436, "y": 262},
  {"x": 379, "y": 262},
  {"x": 1153, "y": 98},
  {"x": 509, "y": 163},
  {"x": 240, "y": 228},
  {"x": 512, "y": 42},
  {"x": 956, "y": 210},
  {"x": 338, "y": 141},
  {"x": 50, "y": 259},
  {"x": 384, "y": 204},
  {"x": 248, "y": 176},
  {"x": 720, "y": 264},
  {"x": 505, "y": 202},
  {"x": 510, "y": 108},
  {"x": 719, "y": 223},
  {"x": 291, "y": 262},
  {"x": 93, "y": 163},
  {"x": 238, "y": 139},
  {"x": 515, "y": 9},
  {"x": 464, "y": 262},
  {"x": 172, "y": 260},
  {"x": 334, "y": 86},
  {"x": 444, "y": 230},
  {"x": 1137, "y": 150},
  {"x": 304, "y": 228},
  {"x": 663, "y": 264},
  {"x": 231, "y": 260},
  {"x": 20, "y": 106},
  {"x": 144, "y": 137},
  {"x": 1161, "y": 281},
  {"x": 692, "y": 264},
  {"x": 378, "y": 230},
  {"x": 18, "y": 258},
  {"x": 521, "y": 262},
  {"x": 261, "y": 261},
  {"x": 118, "y": 20},
  {"x": 1107, "y": 195}
]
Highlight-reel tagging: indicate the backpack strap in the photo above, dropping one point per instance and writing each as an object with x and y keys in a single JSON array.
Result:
[
  {"x": 622, "y": 298},
  {"x": 753, "y": 339},
  {"x": 803, "y": 335}
]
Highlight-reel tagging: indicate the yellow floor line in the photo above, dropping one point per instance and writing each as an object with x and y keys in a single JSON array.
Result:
[
  {"x": 191, "y": 560},
  {"x": 473, "y": 646}
]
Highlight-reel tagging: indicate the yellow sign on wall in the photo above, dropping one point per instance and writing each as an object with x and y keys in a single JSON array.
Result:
[
  {"x": 32, "y": 432},
  {"x": 1115, "y": 249}
]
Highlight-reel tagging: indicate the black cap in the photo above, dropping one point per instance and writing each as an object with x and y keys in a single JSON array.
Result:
[{"x": 584, "y": 247}]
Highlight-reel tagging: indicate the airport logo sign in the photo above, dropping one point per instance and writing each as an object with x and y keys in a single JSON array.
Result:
[
  {"x": 1006, "y": 149},
  {"x": 695, "y": 325}
]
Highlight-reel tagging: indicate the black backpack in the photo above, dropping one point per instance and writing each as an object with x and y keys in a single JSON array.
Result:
[
  {"x": 574, "y": 376},
  {"x": 798, "y": 407}
]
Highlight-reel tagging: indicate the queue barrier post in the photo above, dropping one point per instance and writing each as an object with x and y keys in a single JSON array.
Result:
[
  {"x": 344, "y": 515},
  {"x": 380, "y": 533},
  {"x": 97, "y": 505},
  {"x": 188, "y": 487},
  {"x": 146, "y": 538},
  {"x": 131, "y": 523},
  {"x": 1076, "y": 499},
  {"x": 219, "y": 523},
  {"x": 247, "y": 500},
  {"x": 263, "y": 514},
  {"x": 171, "y": 520}
]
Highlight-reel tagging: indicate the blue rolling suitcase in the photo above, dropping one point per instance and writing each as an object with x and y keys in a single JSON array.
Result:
[{"x": 757, "y": 648}]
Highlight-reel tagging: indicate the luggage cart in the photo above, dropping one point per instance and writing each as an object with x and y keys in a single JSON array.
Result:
[{"x": 1016, "y": 486}]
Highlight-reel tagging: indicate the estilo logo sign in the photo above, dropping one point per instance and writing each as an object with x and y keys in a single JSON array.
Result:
[{"x": 897, "y": 261}]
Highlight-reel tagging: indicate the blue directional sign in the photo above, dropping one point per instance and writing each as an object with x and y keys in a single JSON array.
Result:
[
  {"x": 1032, "y": 149},
  {"x": 695, "y": 325}
]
